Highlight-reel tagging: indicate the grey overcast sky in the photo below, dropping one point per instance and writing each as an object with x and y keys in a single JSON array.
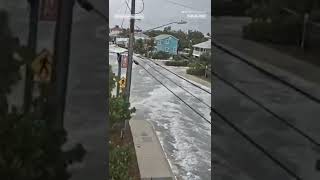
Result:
[{"x": 159, "y": 12}]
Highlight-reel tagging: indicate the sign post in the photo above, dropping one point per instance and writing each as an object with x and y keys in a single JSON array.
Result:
[
  {"x": 124, "y": 62},
  {"x": 42, "y": 67}
]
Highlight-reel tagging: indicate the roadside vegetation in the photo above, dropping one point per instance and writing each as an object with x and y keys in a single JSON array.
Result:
[
  {"x": 122, "y": 156},
  {"x": 274, "y": 26},
  {"x": 201, "y": 66},
  {"x": 30, "y": 147}
]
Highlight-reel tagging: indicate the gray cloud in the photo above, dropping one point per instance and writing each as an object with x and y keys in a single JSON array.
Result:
[{"x": 159, "y": 12}]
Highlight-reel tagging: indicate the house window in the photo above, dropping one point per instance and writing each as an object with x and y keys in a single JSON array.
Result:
[
  {"x": 167, "y": 49},
  {"x": 167, "y": 41},
  {"x": 159, "y": 42}
]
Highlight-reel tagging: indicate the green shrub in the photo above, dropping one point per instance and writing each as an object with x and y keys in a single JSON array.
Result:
[
  {"x": 196, "y": 68},
  {"x": 119, "y": 159},
  {"x": 176, "y": 63},
  {"x": 161, "y": 55},
  {"x": 283, "y": 30},
  {"x": 258, "y": 31},
  {"x": 178, "y": 57},
  {"x": 196, "y": 71}
]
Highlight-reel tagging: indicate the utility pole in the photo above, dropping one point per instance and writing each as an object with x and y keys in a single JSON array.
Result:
[
  {"x": 32, "y": 44},
  {"x": 130, "y": 50},
  {"x": 60, "y": 68}
]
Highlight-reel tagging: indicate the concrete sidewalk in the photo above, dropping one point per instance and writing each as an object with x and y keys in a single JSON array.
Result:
[{"x": 151, "y": 159}]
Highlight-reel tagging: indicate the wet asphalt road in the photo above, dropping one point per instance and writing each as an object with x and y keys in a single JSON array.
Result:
[
  {"x": 234, "y": 157},
  {"x": 184, "y": 135}
]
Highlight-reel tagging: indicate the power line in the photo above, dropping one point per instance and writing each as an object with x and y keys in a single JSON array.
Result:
[
  {"x": 176, "y": 95},
  {"x": 181, "y": 77},
  {"x": 237, "y": 129},
  {"x": 299, "y": 131},
  {"x": 123, "y": 17},
  {"x": 142, "y": 9},
  {"x": 127, "y": 5},
  {"x": 308, "y": 95},
  {"x": 180, "y": 86},
  {"x": 255, "y": 144},
  {"x": 182, "y": 5}
]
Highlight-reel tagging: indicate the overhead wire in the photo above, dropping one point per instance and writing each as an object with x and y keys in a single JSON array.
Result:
[
  {"x": 234, "y": 127},
  {"x": 306, "y": 94},
  {"x": 142, "y": 9},
  {"x": 256, "y": 145},
  {"x": 182, "y": 5},
  {"x": 181, "y": 77},
  {"x": 281, "y": 119},
  {"x": 179, "y": 86},
  {"x": 208, "y": 121}
]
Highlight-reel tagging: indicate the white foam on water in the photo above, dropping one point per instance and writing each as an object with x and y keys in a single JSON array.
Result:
[
  {"x": 191, "y": 151},
  {"x": 187, "y": 155}
]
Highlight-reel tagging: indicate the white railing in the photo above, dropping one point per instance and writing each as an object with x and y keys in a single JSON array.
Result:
[{"x": 196, "y": 53}]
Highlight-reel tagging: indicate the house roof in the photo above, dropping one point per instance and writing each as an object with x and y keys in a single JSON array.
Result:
[
  {"x": 141, "y": 35},
  {"x": 116, "y": 28},
  {"x": 164, "y": 36},
  {"x": 204, "y": 45},
  {"x": 122, "y": 39},
  {"x": 117, "y": 49}
]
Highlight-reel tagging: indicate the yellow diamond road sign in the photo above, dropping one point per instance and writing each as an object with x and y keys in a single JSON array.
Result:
[
  {"x": 122, "y": 82},
  {"x": 42, "y": 66}
]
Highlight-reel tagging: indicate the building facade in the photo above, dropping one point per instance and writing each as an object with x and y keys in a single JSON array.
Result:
[
  {"x": 166, "y": 43},
  {"x": 201, "y": 48}
]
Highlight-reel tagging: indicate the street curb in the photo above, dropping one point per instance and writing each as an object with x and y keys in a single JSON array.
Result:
[
  {"x": 303, "y": 84},
  {"x": 165, "y": 154},
  {"x": 139, "y": 147}
]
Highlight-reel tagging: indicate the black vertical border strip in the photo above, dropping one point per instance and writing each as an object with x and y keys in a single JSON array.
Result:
[
  {"x": 107, "y": 93},
  {"x": 212, "y": 91}
]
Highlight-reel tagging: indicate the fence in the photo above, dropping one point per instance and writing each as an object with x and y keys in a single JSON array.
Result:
[{"x": 312, "y": 30}]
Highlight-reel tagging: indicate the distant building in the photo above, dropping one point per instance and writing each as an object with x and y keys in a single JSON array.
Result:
[
  {"x": 123, "y": 42},
  {"x": 166, "y": 43},
  {"x": 114, "y": 33},
  {"x": 185, "y": 51},
  {"x": 201, "y": 48},
  {"x": 139, "y": 35}
]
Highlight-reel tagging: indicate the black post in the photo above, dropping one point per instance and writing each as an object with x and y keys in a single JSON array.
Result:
[
  {"x": 61, "y": 63},
  {"x": 119, "y": 73},
  {"x": 130, "y": 51},
  {"x": 32, "y": 44}
]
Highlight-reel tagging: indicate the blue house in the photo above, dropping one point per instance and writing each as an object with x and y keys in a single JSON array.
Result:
[{"x": 166, "y": 43}]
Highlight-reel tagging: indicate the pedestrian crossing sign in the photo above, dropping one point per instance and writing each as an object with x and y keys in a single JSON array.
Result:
[{"x": 42, "y": 66}]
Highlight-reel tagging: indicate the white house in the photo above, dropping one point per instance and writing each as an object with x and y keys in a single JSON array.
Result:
[
  {"x": 122, "y": 41},
  {"x": 139, "y": 35},
  {"x": 201, "y": 48},
  {"x": 114, "y": 33}
]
